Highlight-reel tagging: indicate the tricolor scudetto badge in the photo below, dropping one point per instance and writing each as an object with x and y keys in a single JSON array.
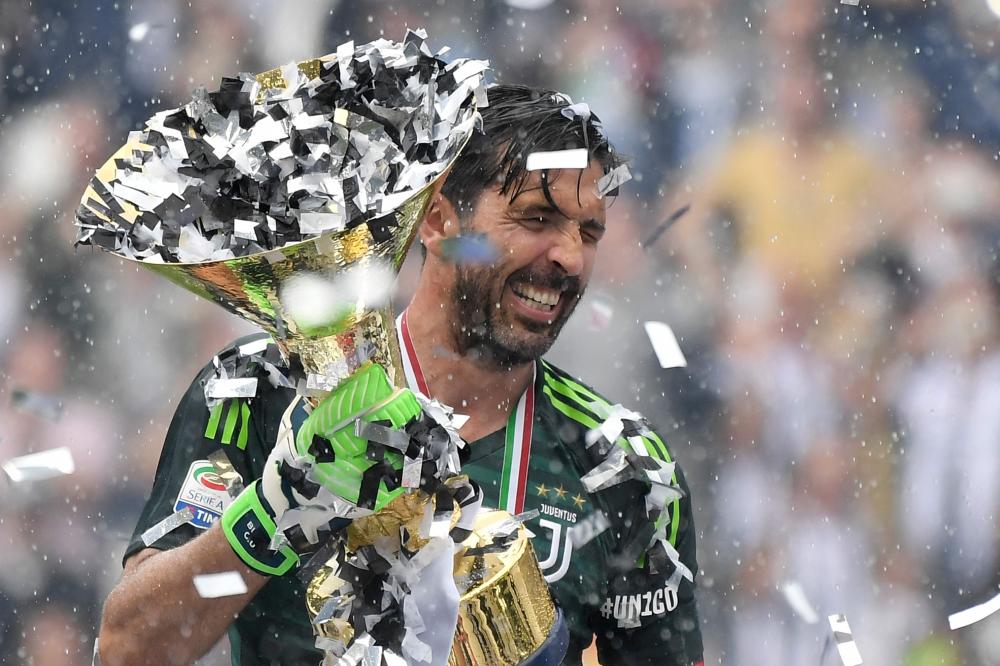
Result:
[{"x": 204, "y": 492}]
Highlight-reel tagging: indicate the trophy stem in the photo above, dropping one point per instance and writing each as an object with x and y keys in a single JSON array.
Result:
[{"x": 329, "y": 360}]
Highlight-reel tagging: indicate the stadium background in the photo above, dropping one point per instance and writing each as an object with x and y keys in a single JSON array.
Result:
[{"x": 834, "y": 288}]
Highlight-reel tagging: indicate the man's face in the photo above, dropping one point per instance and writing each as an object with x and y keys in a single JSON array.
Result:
[{"x": 510, "y": 312}]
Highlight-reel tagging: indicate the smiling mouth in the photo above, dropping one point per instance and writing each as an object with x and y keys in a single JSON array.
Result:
[{"x": 537, "y": 298}]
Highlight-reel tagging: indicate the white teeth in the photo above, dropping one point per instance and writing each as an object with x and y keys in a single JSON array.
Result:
[{"x": 547, "y": 297}]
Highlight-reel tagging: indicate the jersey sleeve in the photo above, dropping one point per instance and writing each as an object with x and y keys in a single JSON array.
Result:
[
  {"x": 650, "y": 615},
  {"x": 184, "y": 475}
]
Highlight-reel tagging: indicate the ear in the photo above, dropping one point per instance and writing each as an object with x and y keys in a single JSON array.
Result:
[{"x": 440, "y": 222}]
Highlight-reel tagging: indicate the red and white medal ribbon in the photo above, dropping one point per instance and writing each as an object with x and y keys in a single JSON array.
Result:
[{"x": 517, "y": 447}]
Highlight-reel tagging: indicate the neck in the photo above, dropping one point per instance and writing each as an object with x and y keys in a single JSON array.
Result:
[{"x": 487, "y": 393}]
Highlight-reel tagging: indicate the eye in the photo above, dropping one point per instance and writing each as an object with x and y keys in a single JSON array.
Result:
[
  {"x": 533, "y": 222},
  {"x": 592, "y": 233}
]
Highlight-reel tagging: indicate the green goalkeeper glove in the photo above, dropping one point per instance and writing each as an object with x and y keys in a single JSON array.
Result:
[{"x": 319, "y": 478}]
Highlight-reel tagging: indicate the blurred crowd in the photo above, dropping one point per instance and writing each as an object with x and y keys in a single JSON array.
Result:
[{"x": 834, "y": 288}]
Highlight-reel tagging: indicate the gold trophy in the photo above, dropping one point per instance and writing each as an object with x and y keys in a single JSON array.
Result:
[{"x": 506, "y": 611}]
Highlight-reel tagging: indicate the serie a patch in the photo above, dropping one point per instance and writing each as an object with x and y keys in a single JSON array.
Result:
[{"x": 204, "y": 492}]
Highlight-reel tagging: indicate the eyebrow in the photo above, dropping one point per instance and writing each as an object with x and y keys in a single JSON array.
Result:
[{"x": 546, "y": 209}]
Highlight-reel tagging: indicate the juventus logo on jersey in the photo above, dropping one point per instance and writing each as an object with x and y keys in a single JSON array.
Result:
[{"x": 555, "y": 563}]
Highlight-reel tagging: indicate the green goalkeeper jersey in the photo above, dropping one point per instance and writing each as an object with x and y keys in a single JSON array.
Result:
[{"x": 637, "y": 616}]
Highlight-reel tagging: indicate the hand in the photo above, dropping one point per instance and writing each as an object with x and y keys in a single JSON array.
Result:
[{"x": 316, "y": 479}]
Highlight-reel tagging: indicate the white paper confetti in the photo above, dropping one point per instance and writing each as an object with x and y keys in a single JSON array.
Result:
[
  {"x": 846, "y": 646},
  {"x": 231, "y": 388},
  {"x": 975, "y": 614},
  {"x": 167, "y": 525},
  {"x": 40, "y": 466},
  {"x": 245, "y": 229},
  {"x": 588, "y": 529},
  {"x": 849, "y": 2},
  {"x": 224, "y": 584},
  {"x": 600, "y": 316},
  {"x": 668, "y": 352},
  {"x": 138, "y": 31},
  {"x": 529, "y": 5},
  {"x": 796, "y": 598},
  {"x": 575, "y": 158},
  {"x": 254, "y": 347}
]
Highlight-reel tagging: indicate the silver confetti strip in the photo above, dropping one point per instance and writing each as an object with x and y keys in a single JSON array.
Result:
[
  {"x": 217, "y": 389},
  {"x": 412, "y": 468},
  {"x": 224, "y": 468},
  {"x": 359, "y": 648},
  {"x": 376, "y": 432},
  {"x": 842, "y": 636},
  {"x": 167, "y": 525},
  {"x": 613, "y": 469},
  {"x": 330, "y": 646}
]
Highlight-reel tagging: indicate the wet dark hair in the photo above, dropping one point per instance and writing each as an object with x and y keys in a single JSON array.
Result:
[{"x": 518, "y": 121}]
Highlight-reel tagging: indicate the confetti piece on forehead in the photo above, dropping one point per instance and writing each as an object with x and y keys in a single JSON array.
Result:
[
  {"x": 167, "y": 525},
  {"x": 975, "y": 614},
  {"x": 215, "y": 585},
  {"x": 575, "y": 158},
  {"x": 613, "y": 179},
  {"x": 665, "y": 346},
  {"x": 43, "y": 406},
  {"x": 469, "y": 249},
  {"x": 663, "y": 226},
  {"x": 40, "y": 466},
  {"x": 796, "y": 598},
  {"x": 848, "y": 649}
]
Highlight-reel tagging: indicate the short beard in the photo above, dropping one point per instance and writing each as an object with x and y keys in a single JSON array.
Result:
[{"x": 479, "y": 332}]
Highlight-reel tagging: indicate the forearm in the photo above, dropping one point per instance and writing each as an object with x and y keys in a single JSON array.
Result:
[{"x": 155, "y": 615}]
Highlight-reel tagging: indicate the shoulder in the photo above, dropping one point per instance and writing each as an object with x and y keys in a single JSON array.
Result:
[
  {"x": 246, "y": 375},
  {"x": 571, "y": 398}
]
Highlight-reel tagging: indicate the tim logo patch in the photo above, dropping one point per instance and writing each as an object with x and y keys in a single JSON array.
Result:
[{"x": 203, "y": 491}]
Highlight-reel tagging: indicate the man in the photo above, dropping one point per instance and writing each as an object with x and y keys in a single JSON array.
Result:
[{"x": 472, "y": 337}]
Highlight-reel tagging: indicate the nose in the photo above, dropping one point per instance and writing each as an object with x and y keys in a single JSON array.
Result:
[{"x": 566, "y": 250}]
